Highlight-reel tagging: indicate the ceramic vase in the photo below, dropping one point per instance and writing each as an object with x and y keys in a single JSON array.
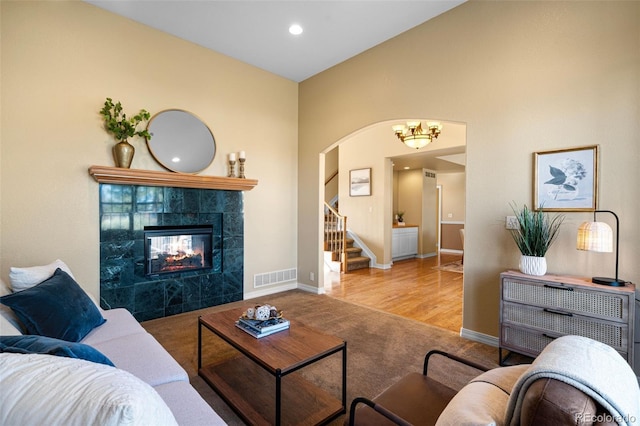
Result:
[
  {"x": 123, "y": 154},
  {"x": 533, "y": 265}
]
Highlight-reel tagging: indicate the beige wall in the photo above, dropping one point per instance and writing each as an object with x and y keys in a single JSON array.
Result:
[
  {"x": 60, "y": 60},
  {"x": 330, "y": 168},
  {"x": 453, "y": 209},
  {"x": 410, "y": 187},
  {"x": 453, "y": 196},
  {"x": 429, "y": 216},
  {"x": 524, "y": 77}
]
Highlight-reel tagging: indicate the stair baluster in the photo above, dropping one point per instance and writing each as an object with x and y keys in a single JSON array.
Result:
[
  {"x": 339, "y": 244},
  {"x": 335, "y": 235}
]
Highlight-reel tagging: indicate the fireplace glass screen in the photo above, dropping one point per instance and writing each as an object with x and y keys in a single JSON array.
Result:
[{"x": 177, "y": 249}]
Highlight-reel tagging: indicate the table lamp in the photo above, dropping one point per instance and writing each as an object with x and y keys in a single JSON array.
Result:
[{"x": 597, "y": 236}]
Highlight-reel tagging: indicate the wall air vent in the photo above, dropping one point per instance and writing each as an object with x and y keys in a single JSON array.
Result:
[{"x": 276, "y": 277}]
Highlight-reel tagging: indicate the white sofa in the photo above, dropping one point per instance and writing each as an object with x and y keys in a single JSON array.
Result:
[{"x": 142, "y": 364}]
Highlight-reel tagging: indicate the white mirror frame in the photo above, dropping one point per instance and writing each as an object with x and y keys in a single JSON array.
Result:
[{"x": 180, "y": 141}]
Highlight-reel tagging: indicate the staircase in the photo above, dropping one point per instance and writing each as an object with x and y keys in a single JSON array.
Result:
[
  {"x": 341, "y": 247},
  {"x": 355, "y": 259}
]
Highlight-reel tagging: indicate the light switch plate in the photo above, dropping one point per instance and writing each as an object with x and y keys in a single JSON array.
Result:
[{"x": 511, "y": 222}]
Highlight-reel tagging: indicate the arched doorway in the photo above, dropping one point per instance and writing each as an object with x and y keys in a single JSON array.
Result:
[{"x": 377, "y": 148}]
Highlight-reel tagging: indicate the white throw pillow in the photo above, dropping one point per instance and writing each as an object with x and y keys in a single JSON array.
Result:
[
  {"x": 43, "y": 389},
  {"x": 24, "y": 278},
  {"x": 9, "y": 323},
  {"x": 4, "y": 289}
]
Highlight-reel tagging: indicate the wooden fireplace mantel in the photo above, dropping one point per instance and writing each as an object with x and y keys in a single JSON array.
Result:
[{"x": 118, "y": 175}]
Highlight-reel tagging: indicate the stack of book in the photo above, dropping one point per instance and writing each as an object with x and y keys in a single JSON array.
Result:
[{"x": 258, "y": 328}]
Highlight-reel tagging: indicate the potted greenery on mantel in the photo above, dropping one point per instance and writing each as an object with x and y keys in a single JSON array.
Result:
[
  {"x": 534, "y": 235},
  {"x": 122, "y": 128}
]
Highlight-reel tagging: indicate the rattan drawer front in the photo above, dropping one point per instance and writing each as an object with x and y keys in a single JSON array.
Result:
[
  {"x": 557, "y": 322},
  {"x": 531, "y": 342},
  {"x": 602, "y": 305},
  {"x": 524, "y": 341}
]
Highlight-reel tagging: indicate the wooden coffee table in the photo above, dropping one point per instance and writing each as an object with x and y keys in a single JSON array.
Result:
[{"x": 241, "y": 382}]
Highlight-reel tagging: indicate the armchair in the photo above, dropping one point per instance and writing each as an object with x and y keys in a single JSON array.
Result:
[
  {"x": 416, "y": 399},
  {"x": 574, "y": 381}
]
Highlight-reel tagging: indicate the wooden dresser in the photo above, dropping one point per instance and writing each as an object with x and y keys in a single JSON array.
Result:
[{"x": 535, "y": 310}]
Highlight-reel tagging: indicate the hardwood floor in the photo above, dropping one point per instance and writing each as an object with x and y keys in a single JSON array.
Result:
[{"x": 411, "y": 288}]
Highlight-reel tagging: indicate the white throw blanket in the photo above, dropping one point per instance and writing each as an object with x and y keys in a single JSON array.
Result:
[{"x": 593, "y": 367}]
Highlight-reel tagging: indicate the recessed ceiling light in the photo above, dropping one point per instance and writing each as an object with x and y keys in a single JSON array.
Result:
[
  {"x": 295, "y": 29},
  {"x": 407, "y": 167}
]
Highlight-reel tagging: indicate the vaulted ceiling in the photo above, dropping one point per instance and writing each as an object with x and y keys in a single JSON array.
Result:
[{"x": 257, "y": 32}]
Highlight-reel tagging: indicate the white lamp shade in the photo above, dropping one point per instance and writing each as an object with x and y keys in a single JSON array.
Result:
[
  {"x": 398, "y": 128},
  {"x": 417, "y": 142},
  {"x": 595, "y": 236}
]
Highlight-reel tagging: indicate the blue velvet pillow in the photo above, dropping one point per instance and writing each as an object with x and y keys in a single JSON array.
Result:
[
  {"x": 31, "y": 344},
  {"x": 57, "y": 307}
]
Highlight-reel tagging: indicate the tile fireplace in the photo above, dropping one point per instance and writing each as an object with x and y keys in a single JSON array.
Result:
[{"x": 194, "y": 244}]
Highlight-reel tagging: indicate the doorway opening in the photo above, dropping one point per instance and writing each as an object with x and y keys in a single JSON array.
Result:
[{"x": 375, "y": 146}]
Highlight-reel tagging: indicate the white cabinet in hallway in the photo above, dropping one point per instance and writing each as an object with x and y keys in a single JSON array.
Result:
[{"x": 404, "y": 242}]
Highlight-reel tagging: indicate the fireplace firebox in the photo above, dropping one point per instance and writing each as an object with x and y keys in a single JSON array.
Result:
[{"x": 172, "y": 249}]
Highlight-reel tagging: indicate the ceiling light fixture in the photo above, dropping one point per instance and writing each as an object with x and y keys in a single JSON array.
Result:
[
  {"x": 414, "y": 136},
  {"x": 295, "y": 29}
]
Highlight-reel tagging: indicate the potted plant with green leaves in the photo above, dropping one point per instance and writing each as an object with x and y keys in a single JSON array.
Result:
[
  {"x": 122, "y": 128},
  {"x": 535, "y": 233}
]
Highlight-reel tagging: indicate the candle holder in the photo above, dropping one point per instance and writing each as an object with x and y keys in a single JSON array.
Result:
[
  {"x": 232, "y": 168},
  {"x": 241, "y": 172}
]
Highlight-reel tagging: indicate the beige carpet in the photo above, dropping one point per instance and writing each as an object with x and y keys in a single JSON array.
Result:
[
  {"x": 381, "y": 347},
  {"x": 451, "y": 267}
]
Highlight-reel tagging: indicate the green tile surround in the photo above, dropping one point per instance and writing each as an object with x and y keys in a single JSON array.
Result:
[{"x": 124, "y": 212}]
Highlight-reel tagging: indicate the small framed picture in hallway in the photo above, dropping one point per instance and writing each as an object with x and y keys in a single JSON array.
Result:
[{"x": 360, "y": 182}]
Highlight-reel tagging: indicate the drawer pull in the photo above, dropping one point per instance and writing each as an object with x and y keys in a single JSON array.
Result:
[
  {"x": 551, "y": 311},
  {"x": 559, "y": 288}
]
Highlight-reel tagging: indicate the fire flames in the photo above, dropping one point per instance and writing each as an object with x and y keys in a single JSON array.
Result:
[{"x": 180, "y": 260}]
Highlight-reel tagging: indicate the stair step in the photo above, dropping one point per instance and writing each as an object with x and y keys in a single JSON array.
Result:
[{"x": 359, "y": 262}]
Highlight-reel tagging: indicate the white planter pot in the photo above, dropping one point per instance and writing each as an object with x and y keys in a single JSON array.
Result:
[{"x": 533, "y": 265}]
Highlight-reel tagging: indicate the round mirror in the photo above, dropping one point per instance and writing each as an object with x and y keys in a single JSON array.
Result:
[{"x": 180, "y": 141}]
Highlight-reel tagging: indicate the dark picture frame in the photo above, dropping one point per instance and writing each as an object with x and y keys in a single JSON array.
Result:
[
  {"x": 566, "y": 179},
  {"x": 360, "y": 182}
]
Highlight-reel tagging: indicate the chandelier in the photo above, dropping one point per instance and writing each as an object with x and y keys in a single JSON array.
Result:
[{"x": 414, "y": 136}]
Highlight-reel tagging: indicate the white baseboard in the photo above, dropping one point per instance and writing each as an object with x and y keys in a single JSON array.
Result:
[
  {"x": 425, "y": 255},
  {"x": 279, "y": 289},
  {"x": 479, "y": 337},
  {"x": 270, "y": 290},
  {"x": 310, "y": 289},
  {"x": 451, "y": 251}
]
